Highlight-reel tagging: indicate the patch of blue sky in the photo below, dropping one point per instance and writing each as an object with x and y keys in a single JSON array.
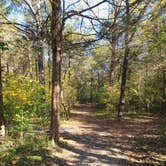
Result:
[
  {"x": 18, "y": 17},
  {"x": 102, "y": 11},
  {"x": 16, "y": 12}
]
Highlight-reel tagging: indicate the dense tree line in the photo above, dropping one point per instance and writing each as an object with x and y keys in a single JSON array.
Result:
[{"x": 115, "y": 60}]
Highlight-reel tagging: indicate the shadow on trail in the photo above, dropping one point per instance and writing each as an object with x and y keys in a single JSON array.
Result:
[
  {"x": 86, "y": 157},
  {"x": 130, "y": 141}
]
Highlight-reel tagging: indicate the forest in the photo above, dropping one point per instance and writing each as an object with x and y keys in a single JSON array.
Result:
[{"x": 83, "y": 82}]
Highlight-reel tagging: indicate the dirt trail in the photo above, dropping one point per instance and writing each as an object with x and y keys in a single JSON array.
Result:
[{"x": 88, "y": 140}]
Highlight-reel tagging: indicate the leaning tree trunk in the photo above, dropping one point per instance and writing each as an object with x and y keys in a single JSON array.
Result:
[
  {"x": 112, "y": 65},
  {"x": 56, "y": 29},
  {"x": 40, "y": 60},
  {"x": 49, "y": 69},
  {"x": 125, "y": 65},
  {"x": 164, "y": 87},
  {"x": 40, "y": 43},
  {"x": 2, "y": 120},
  {"x": 123, "y": 81},
  {"x": 91, "y": 87}
]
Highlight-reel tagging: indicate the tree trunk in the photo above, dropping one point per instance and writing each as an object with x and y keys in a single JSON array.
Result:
[
  {"x": 30, "y": 65},
  {"x": 49, "y": 69},
  {"x": 91, "y": 88},
  {"x": 41, "y": 68},
  {"x": 40, "y": 57},
  {"x": 112, "y": 65},
  {"x": 2, "y": 119},
  {"x": 56, "y": 29},
  {"x": 164, "y": 87},
  {"x": 125, "y": 65},
  {"x": 123, "y": 82},
  {"x": 40, "y": 62},
  {"x": 36, "y": 68}
]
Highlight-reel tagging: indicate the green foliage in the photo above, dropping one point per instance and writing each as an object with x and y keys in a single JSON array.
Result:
[
  {"x": 31, "y": 149},
  {"x": 3, "y": 46},
  {"x": 146, "y": 92},
  {"x": 112, "y": 97},
  {"x": 68, "y": 96},
  {"x": 22, "y": 100},
  {"x": 108, "y": 97},
  {"x": 155, "y": 98},
  {"x": 99, "y": 96}
]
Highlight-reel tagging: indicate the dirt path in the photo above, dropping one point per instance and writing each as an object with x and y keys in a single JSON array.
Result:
[{"x": 88, "y": 140}]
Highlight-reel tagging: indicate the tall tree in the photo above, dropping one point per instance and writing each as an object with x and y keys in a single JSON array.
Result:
[
  {"x": 131, "y": 20},
  {"x": 57, "y": 25},
  {"x": 125, "y": 62},
  {"x": 2, "y": 119},
  {"x": 56, "y": 30},
  {"x": 35, "y": 16}
]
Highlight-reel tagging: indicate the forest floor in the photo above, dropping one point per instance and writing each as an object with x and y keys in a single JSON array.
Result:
[
  {"x": 94, "y": 139},
  {"x": 104, "y": 141}
]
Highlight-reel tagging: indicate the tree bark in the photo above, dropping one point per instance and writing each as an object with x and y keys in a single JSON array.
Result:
[
  {"x": 56, "y": 29},
  {"x": 36, "y": 67},
  {"x": 164, "y": 87},
  {"x": 112, "y": 65},
  {"x": 49, "y": 69},
  {"x": 123, "y": 82},
  {"x": 2, "y": 119},
  {"x": 125, "y": 64},
  {"x": 41, "y": 74},
  {"x": 91, "y": 88},
  {"x": 40, "y": 61}
]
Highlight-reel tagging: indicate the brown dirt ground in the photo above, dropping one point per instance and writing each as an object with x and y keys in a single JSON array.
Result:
[{"x": 88, "y": 140}]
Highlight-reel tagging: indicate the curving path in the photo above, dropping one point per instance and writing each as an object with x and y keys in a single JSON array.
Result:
[{"x": 88, "y": 140}]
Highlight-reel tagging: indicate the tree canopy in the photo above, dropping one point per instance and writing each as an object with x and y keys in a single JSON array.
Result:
[{"x": 106, "y": 58}]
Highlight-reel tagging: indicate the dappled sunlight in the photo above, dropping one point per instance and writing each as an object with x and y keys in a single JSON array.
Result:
[
  {"x": 82, "y": 83},
  {"x": 114, "y": 141},
  {"x": 142, "y": 119},
  {"x": 87, "y": 139}
]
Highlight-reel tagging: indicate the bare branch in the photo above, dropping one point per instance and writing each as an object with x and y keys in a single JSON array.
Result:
[{"x": 79, "y": 13}]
